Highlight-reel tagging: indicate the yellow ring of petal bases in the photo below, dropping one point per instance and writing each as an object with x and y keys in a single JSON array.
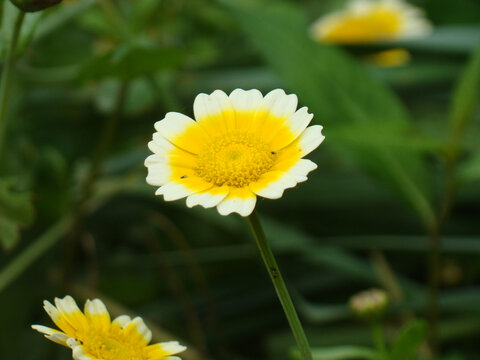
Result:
[{"x": 235, "y": 159}]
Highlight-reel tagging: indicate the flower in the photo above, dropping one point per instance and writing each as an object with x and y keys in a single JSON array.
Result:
[
  {"x": 389, "y": 58},
  {"x": 93, "y": 336},
  {"x": 369, "y": 304},
  {"x": 241, "y": 146},
  {"x": 369, "y": 21}
]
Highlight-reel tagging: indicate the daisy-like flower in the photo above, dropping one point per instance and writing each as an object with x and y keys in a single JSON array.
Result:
[
  {"x": 368, "y": 21},
  {"x": 93, "y": 336},
  {"x": 241, "y": 146}
]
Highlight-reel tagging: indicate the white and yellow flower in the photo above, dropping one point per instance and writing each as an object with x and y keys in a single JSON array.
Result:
[
  {"x": 369, "y": 21},
  {"x": 93, "y": 336},
  {"x": 241, "y": 146}
]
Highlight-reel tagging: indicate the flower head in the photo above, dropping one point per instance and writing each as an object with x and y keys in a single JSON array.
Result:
[
  {"x": 369, "y": 304},
  {"x": 93, "y": 336},
  {"x": 240, "y": 146},
  {"x": 368, "y": 21}
]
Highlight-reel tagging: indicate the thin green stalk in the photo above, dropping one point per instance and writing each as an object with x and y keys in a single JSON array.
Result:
[
  {"x": 34, "y": 251},
  {"x": 277, "y": 280},
  {"x": 434, "y": 263},
  {"x": 7, "y": 72},
  {"x": 86, "y": 190},
  {"x": 379, "y": 339}
]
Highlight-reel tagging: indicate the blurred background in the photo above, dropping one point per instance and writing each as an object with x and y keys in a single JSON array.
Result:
[{"x": 394, "y": 203}]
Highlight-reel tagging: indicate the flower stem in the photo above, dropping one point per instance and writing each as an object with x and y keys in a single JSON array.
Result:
[
  {"x": 282, "y": 292},
  {"x": 7, "y": 75},
  {"x": 379, "y": 339},
  {"x": 434, "y": 263}
]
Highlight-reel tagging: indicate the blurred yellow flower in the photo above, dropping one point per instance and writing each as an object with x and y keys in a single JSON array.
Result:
[
  {"x": 390, "y": 58},
  {"x": 368, "y": 21},
  {"x": 93, "y": 336},
  {"x": 241, "y": 146}
]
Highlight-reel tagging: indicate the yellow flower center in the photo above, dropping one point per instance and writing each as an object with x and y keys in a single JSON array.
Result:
[
  {"x": 112, "y": 345},
  {"x": 236, "y": 159},
  {"x": 379, "y": 24}
]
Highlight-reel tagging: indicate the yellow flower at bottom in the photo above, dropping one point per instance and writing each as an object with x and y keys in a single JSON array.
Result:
[
  {"x": 240, "y": 146},
  {"x": 368, "y": 21},
  {"x": 93, "y": 336}
]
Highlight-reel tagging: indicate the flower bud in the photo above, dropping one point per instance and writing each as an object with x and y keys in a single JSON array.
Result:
[
  {"x": 370, "y": 304},
  {"x": 34, "y": 5}
]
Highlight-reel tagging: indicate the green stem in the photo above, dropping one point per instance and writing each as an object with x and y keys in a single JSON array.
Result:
[
  {"x": 86, "y": 190},
  {"x": 379, "y": 339},
  {"x": 7, "y": 75},
  {"x": 282, "y": 292},
  {"x": 33, "y": 252},
  {"x": 434, "y": 262}
]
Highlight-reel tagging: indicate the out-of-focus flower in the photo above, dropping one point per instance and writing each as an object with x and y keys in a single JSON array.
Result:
[
  {"x": 389, "y": 58},
  {"x": 369, "y": 304},
  {"x": 93, "y": 336},
  {"x": 240, "y": 146},
  {"x": 369, "y": 21},
  {"x": 34, "y": 5}
]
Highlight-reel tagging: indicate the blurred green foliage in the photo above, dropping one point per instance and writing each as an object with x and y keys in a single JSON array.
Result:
[{"x": 401, "y": 157}]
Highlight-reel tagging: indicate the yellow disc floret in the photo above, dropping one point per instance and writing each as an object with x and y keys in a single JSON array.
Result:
[
  {"x": 236, "y": 159},
  {"x": 112, "y": 345}
]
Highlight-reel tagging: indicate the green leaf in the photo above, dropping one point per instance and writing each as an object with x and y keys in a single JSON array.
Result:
[
  {"x": 339, "y": 92},
  {"x": 34, "y": 251},
  {"x": 131, "y": 60},
  {"x": 465, "y": 97},
  {"x": 407, "y": 342},
  {"x": 469, "y": 170}
]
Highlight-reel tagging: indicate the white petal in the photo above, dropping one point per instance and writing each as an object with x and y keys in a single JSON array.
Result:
[
  {"x": 241, "y": 201},
  {"x": 174, "y": 191},
  {"x": 51, "y": 310},
  {"x": 142, "y": 329},
  {"x": 291, "y": 129},
  {"x": 67, "y": 305},
  {"x": 172, "y": 347},
  {"x": 160, "y": 145},
  {"x": 208, "y": 198},
  {"x": 51, "y": 334},
  {"x": 214, "y": 104},
  {"x": 175, "y": 124},
  {"x": 122, "y": 320},
  {"x": 272, "y": 185},
  {"x": 298, "y": 122},
  {"x": 43, "y": 329},
  {"x": 310, "y": 139},
  {"x": 95, "y": 307},
  {"x": 245, "y": 100},
  {"x": 300, "y": 170},
  {"x": 59, "y": 338},
  {"x": 159, "y": 171},
  {"x": 279, "y": 104}
]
